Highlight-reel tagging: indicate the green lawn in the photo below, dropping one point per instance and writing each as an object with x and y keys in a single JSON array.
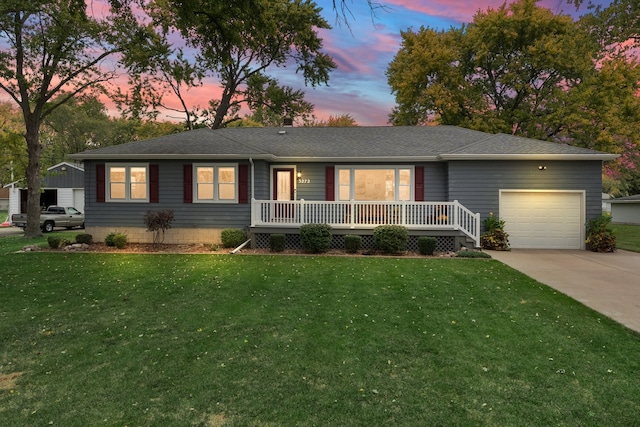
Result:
[
  {"x": 212, "y": 340},
  {"x": 627, "y": 237}
]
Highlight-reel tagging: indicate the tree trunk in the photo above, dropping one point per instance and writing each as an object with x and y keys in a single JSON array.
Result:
[
  {"x": 223, "y": 107},
  {"x": 33, "y": 179}
]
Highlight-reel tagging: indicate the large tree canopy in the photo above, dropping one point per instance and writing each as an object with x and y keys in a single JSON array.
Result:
[
  {"x": 239, "y": 42},
  {"x": 47, "y": 48},
  {"x": 508, "y": 71}
]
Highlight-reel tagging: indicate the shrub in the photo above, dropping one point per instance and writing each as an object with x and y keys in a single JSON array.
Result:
[
  {"x": 600, "y": 238},
  {"x": 65, "y": 242},
  {"x": 84, "y": 238},
  {"x": 158, "y": 222},
  {"x": 496, "y": 239},
  {"x": 494, "y": 236},
  {"x": 492, "y": 222},
  {"x": 391, "y": 239},
  {"x": 472, "y": 254},
  {"x": 352, "y": 243},
  {"x": 276, "y": 242},
  {"x": 426, "y": 245},
  {"x": 233, "y": 237},
  {"x": 109, "y": 239},
  {"x": 120, "y": 240},
  {"x": 315, "y": 238},
  {"x": 54, "y": 242}
]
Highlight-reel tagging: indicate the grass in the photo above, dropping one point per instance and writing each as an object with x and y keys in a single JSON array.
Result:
[
  {"x": 627, "y": 237},
  {"x": 213, "y": 340}
]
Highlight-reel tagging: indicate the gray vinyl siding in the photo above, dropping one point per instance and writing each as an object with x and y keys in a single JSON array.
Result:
[
  {"x": 476, "y": 184},
  {"x": 71, "y": 178},
  {"x": 187, "y": 215},
  {"x": 261, "y": 182},
  {"x": 435, "y": 182},
  {"x": 316, "y": 174}
]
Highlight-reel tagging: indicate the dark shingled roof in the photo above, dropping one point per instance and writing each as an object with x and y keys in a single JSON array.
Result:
[
  {"x": 348, "y": 143},
  {"x": 627, "y": 199}
]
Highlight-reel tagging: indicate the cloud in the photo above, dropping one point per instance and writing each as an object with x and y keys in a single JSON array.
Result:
[{"x": 463, "y": 12}]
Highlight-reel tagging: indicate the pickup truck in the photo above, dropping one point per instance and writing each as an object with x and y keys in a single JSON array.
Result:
[{"x": 54, "y": 216}]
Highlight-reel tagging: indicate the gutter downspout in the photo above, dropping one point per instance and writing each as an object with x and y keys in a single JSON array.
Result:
[{"x": 253, "y": 194}]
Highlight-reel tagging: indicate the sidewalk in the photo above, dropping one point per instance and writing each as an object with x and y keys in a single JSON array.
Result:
[{"x": 608, "y": 283}]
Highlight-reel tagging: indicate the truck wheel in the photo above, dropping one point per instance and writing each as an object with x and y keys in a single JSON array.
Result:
[{"x": 47, "y": 227}]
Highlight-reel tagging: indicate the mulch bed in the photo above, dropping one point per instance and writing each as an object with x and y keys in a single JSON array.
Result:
[{"x": 164, "y": 248}]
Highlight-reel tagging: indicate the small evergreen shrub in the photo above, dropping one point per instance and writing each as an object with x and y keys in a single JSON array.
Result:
[
  {"x": 315, "y": 238},
  {"x": 109, "y": 239},
  {"x": 54, "y": 242},
  {"x": 352, "y": 243},
  {"x": 277, "y": 242},
  {"x": 391, "y": 239},
  {"x": 65, "y": 242},
  {"x": 120, "y": 240},
  {"x": 600, "y": 237},
  {"x": 158, "y": 222},
  {"x": 84, "y": 238},
  {"x": 427, "y": 245},
  {"x": 233, "y": 237},
  {"x": 472, "y": 254}
]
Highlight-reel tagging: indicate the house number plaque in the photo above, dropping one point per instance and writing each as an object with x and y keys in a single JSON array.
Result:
[{"x": 304, "y": 181}]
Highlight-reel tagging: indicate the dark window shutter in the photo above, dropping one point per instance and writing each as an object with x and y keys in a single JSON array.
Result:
[
  {"x": 330, "y": 184},
  {"x": 100, "y": 183},
  {"x": 419, "y": 183},
  {"x": 243, "y": 184},
  {"x": 154, "y": 184},
  {"x": 187, "y": 183}
]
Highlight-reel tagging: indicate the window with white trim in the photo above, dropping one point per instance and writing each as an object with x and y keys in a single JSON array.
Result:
[
  {"x": 374, "y": 183},
  {"x": 128, "y": 183},
  {"x": 215, "y": 183}
]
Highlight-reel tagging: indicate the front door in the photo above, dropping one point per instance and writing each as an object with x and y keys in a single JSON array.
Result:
[{"x": 283, "y": 187}]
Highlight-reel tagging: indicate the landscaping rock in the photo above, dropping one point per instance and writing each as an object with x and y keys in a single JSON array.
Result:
[{"x": 77, "y": 247}]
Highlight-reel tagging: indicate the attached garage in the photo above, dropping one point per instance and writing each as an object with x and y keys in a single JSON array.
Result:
[{"x": 538, "y": 219}]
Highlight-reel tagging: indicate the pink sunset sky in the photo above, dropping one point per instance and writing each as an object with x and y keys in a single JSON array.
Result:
[
  {"x": 363, "y": 50},
  {"x": 359, "y": 85}
]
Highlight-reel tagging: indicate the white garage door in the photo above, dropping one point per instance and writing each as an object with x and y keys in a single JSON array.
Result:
[{"x": 543, "y": 220}]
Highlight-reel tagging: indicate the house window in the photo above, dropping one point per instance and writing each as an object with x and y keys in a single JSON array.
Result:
[
  {"x": 128, "y": 183},
  {"x": 374, "y": 183},
  {"x": 216, "y": 183}
]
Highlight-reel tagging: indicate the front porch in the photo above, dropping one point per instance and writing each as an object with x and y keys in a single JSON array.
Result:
[{"x": 445, "y": 219}]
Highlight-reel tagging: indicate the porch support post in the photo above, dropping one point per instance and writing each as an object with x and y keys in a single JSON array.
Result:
[
  {"x": 352, "y": 214},
  {"x": 456, "y": 215},
  {"x": 254, "y": 210}
]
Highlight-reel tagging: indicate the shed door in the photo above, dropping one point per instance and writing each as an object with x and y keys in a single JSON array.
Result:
[{"x": 543, "y": 219}]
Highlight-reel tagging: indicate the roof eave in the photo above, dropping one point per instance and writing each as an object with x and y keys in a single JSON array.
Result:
[
  {"x": 147, "y": 157},
  {"x": 599, "y": 156},
  {"x": 300, "y": 159},
  {"x": 352, "y": 159}
]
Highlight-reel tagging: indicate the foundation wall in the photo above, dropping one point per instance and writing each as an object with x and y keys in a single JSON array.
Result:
[{"x": 172, "y": 236}]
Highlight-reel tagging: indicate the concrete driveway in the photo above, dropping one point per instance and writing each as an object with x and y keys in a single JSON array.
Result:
[{"x": 608, "y": 283}]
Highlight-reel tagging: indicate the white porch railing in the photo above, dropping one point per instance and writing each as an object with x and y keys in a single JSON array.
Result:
[{"x": 352, "y": 214}]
